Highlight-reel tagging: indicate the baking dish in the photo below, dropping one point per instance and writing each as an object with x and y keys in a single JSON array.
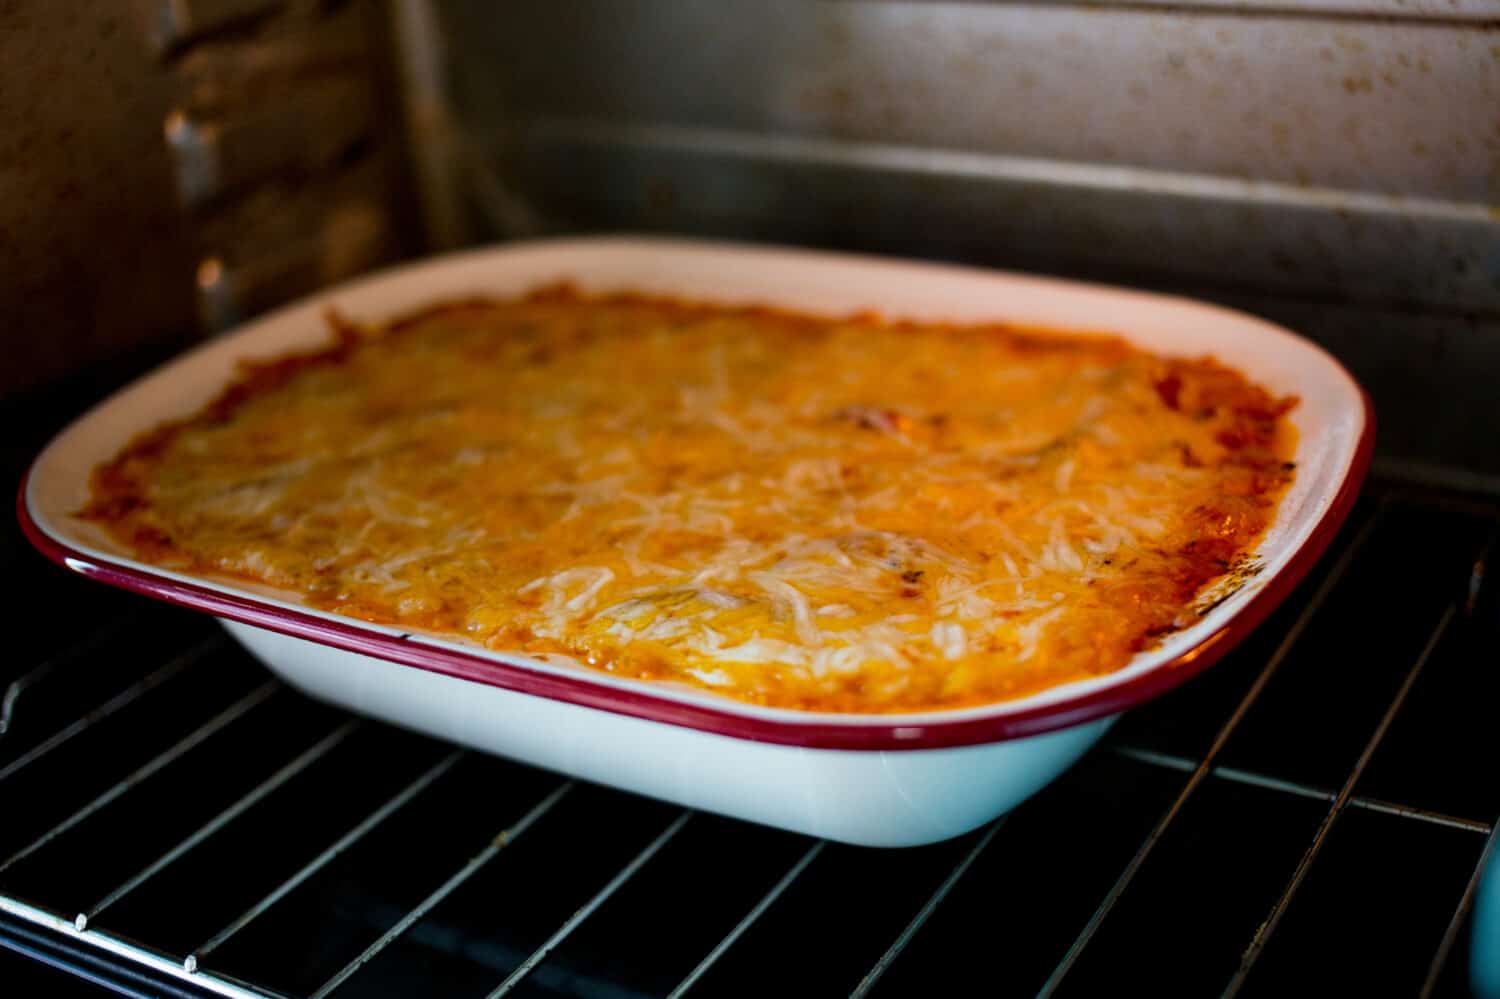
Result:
[{"x": 886, "y": 779}]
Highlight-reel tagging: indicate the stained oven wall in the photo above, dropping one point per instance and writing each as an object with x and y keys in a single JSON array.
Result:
[{"x": 168, "y": 167}]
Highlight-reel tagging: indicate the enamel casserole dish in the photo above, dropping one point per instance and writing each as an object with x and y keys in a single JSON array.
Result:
[{"x": 876, "y": 779}]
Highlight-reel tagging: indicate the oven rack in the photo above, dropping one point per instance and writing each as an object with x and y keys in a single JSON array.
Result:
[{"x": 179, "y": 824}]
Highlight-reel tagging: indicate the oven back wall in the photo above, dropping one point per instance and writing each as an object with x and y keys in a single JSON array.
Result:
[{"x": 1334, "y": 165}]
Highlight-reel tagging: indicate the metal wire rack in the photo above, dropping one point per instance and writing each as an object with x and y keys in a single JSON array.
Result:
[{"x": 177, "y": 824}]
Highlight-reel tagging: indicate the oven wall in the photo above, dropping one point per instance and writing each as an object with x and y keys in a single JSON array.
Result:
[
  {"x": 93, "y": 252},
  {"x": 1332, "y": 164},
  {"x": 168, "y": 167}
]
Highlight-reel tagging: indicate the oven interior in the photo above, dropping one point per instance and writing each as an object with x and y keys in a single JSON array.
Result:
[{"x": 1312, "y": 814}]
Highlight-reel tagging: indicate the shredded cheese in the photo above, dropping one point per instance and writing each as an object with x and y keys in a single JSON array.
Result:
[{"x": 834, "y": 514}]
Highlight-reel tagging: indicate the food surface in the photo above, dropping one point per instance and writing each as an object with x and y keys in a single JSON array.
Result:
[{"x": 842, "y": 514}]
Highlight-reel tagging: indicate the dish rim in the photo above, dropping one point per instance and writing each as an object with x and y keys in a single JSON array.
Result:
[{"x": 706, "y": 712}]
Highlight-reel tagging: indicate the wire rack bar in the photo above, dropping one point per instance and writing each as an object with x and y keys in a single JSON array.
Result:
[
  {"x": 18, "y": 944},
  {"x": 184, "y": 746},
  {"x": 500, "y": 842},
  {"x": 744, "y": 924},
  {"x": 540, "y": 954},
  {"x": 1263, "y": 935},
  {"x": 42, "y": 671},
  {"x": 1170, "y": 761},
  {"x": 257, "y": 794},
  {"x": 123, "y": 699},
  {"x": 1460, "y": 913},
  {"x": 1421, "y": 815},
  {"x": 354, "y": 835},
  {"x": 1478, "y": 572},
  {"x": 129, "y": 951},
  {"x": 1201, "y": 771},
  {"x": 867, "y": 984}
]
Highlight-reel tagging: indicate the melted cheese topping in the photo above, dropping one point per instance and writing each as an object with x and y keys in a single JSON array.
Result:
[{"x": 832, "y": 514}]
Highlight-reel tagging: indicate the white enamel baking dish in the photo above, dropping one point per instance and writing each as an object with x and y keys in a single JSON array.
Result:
[{"x": 888, "y": 780}]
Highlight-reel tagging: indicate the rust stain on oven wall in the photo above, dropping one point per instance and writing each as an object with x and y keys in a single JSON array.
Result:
[{"x": 92, "y": 252}]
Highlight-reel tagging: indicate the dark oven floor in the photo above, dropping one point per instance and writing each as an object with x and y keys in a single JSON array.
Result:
[{"x": 1309, "y": 815}]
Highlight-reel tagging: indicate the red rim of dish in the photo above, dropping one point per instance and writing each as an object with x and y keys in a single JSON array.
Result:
[{"x": 877, "y": 733}]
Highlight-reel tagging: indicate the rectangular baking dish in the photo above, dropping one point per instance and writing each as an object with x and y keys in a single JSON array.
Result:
[{"x": 888, "y": 780}]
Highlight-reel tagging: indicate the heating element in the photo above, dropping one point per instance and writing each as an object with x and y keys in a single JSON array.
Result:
[{"x": 1312, "y": 812}]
